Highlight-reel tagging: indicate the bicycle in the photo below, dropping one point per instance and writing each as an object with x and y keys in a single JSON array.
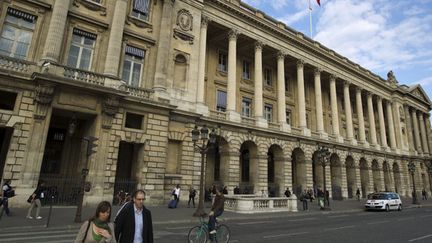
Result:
[{"x": 200, "y": 233}]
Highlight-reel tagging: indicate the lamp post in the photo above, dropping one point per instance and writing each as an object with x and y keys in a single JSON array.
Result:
[
  {"x": 323, "y": 153},
  {"x": 411, "y": 169},
  {"x": 429, "y": 167},
  {"x": 207, "y": 140}
]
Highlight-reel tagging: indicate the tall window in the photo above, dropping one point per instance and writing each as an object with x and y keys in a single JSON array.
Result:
[
  {"x": 223, "y": 59},
  {"x": 133, "y": 65},
  {"x": 286, "y": 83},
  {"x": 246, "y": 70},
  {"x": 268, "y": 76},
  {"x": 221, "y": 102},
  {"x": 81, "y": 50},
  {"x": 288, "y": 117},
  {"x": 17, "y": 33},
  {"x": 141, "y": 9},
  {"x": 268, "y": 112},
  {"x": 244, "y": 162},
  {"x": 246, "y": 107}
]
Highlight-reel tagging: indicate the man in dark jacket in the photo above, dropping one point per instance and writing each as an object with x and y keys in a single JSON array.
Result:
[
  {"x": 216, "y": 210},
  {"x": 133, "y": 222}
]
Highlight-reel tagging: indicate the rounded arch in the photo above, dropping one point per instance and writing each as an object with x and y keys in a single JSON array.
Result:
[
  {"x": 248, "y": 166},
  {"x": 364, "y": 177},
  {"x": 298, "y": 171},
  {"x": 336, "y": 176},
  {"x": 376, "y": 176},
  {"x": 351, "y": 175},
  {"x": 275, "y": 170}
]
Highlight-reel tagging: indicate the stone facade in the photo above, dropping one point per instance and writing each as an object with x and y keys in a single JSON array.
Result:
[{"x": 139, "y": 77}]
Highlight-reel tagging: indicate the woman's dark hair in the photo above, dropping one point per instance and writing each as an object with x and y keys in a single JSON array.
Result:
[{"x": 103, "y": 207}]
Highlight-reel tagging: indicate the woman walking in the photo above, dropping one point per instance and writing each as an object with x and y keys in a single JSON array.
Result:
[
  {"x": 98, "y": 228},
  {"x": 35, "y": 200}
]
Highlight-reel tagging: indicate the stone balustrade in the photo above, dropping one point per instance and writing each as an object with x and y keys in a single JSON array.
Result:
[
  {"x": 84, "y": 76},
  {"x": 248, "y": 120},
  {"x": 220, "y": 115},
  {"x": 14, "y": 64},
  {"x": 249, "y": 204},
  {"x": 139, "y": 92}
]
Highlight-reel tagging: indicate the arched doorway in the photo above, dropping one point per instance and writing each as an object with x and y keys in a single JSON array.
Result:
[
  {"x": 387, "y": 177},
  {"x": 217, "y": 163},
  {"x": 351, "y": 176},
  {"x": 397, "y": 178},
  {"x": 298, "y": 171},
  {"x": 248, "y": 167},
  {"x": 376, "y": 176},
  {"x": 336, "y": 177},
  {"x": 275, "y": 170},
  {"x": 364, "y": 177}
]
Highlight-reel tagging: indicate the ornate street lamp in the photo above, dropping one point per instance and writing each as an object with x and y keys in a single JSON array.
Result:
[
  {"x": 429, "y": 167},
  {"x": 207, "y": 140},
  {"x": 411, "y": 169},
  {"x": 323, "y": 155}
]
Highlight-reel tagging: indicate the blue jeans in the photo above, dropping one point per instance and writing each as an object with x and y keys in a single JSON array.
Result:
[
  {"x": 212, "y": 220},
  {"x": 4, "y": 202}
]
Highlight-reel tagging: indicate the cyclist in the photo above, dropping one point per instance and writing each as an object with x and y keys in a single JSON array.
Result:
[{"x": 216, "y": 210}]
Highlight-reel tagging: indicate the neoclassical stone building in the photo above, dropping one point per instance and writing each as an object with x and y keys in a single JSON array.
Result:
[{"x": 139, "y": 74}]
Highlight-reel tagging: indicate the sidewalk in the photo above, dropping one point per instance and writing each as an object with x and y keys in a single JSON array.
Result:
[{"x": 63, "y": 217}]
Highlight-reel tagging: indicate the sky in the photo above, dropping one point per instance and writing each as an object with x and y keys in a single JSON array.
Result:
[{"x": 379, "y": 35}]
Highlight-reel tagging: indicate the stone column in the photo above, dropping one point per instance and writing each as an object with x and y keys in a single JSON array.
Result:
[
  {"x": 163, "y": 51},
  {"x": 391, "y": 126},
  {"x": 362, "y": 134},
  {"x": 409, "y": 129},
  {"x": 358, "y": 182},
  {"x": 423, "y": 133},
  {"x": 372, "y": 127},
  {"x": 334, "y": 109},
  {"x": 301, "y": 99},
  {"x": 281, "y": 93},
  {"x": 428, "y": 131},
  {"x": 201, "y": 107},
  {"x": 232, "y": 70},
  {"x": 54, "y": 39},
  {"x": 416, "y": 132},
  {"x": 318, "y": 104},
  {"x": 233, "y": 170},
  {"x": 115, "y": 39},
  {"x": 348, "y": 113},
  {"x": 382, "y": 124},
  {"x": 261, "y": 180},
  {"x": 259, "y": 118},
  {"x": 398, "y": 128}
]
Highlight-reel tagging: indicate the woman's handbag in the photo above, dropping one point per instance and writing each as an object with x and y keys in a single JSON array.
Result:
[{"x": 30, "y": 199}]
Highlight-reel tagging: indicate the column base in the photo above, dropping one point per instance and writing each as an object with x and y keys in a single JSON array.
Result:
[
  {"x": 285, "y": 127},
  {"x": 306, "y": 131},
  {"x": 386, "y": 148},
  {"x": 261, "y": 122},
  {"x": 339, "y": 139},
  {"x": 352, "y": 141},
  {"x": 233, "y": 116},
  {"x": 202, "y": 109},
  {"x": 161, "y": 95},
  {"x": 365, "y": 144},
  {"x": 323, "y": 135},
  {"x": 376, "y": 146}
]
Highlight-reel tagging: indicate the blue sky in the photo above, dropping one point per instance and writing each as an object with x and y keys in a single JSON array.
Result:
[{"x": 379, "y": 35}]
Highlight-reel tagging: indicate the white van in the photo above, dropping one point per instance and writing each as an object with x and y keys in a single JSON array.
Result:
[{"x": 384, "y": 201}]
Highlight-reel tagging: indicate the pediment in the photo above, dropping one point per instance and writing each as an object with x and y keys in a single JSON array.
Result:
[{"x": 419, "y": 92}]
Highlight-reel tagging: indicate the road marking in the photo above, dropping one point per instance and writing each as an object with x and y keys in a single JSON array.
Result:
[
  {"x": 302, "y": 219},
  {"x": 338, "y": 216},
  {"x": 256, "y": 222},
  {"x": 34, "y": 233},
  {"x": 282, "y": 235},
  {"x": 379, "y": 222},
  {"x": 32, "y": 238},
  {"x": 420, "y": 238},
  {"x": 175, "y": 228},
  {"x": 338, "y": 228}
]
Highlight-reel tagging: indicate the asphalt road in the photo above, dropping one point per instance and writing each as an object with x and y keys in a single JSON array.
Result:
[{"x": 410, "y": 225}]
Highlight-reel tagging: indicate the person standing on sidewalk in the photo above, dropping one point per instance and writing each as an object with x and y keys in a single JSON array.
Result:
[
  {"x": 192, "y": 194},
  {"x": 424, "y": 194},
  {"x": 98, "y": 228},
  {"x": 176, "y": 193},
  {"x": 304, "y": 199},
  {"x": 35, "y": 200},
  {"x": 7, "y": 193},
  {"x": 358, "y": 194},
  {"x": 133, "y": 222}
]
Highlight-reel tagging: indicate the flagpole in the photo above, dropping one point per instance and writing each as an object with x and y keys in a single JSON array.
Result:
[{"x": 310, "y": 19}]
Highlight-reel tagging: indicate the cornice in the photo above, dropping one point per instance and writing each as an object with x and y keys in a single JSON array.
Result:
[{"x": 88, "y": 20}]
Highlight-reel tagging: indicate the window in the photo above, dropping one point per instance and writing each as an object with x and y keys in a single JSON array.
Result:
[
  {"x": 246, "y": 107},
  {"x": 246, "y": 70},
  {"x": 223, "y": 59},
  {"x": 268, "y": 76},
  {"x": 17, "y": 33},
  {"x": 7, "y": 101},
  {"x": 221, "y": 102},
  {"x": 134, "y": 121},
  {"x": 288, "y": 117},
  {"x": 81, "y": 50},
  {"x": 133, "y": 65},
  {"x": 286, "y": 83},
  {"x": 141, "y": 9},
  {"x": 268, "y": 112}
]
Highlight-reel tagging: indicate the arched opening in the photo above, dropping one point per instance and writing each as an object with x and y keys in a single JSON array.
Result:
[
  {"x": 376, "y": 176},
  {"x": 397, "y": 178},
  {"x": 336, "y": 177},
  {"x": 248, "y": 167},
  {"x": 275, "y": 171},
  {"x": 364, "y": 177},
  {"x": 351, "y": 176},
  {"x": 387, "y": 177},
  {"x": 298, "y": 171},
  {"x": 217, "y": 163}
]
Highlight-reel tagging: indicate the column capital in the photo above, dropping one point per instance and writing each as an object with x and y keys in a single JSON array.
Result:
[
  {"x": 379, "y": 98},
  {"x": 369, "y": 94},
  {"x": 170, "y": 2},
  {"x": 347, "y": 83},
  {"x": 258, "y": 45},
  {"x": 281, "y": 55},
  {"x": 233, "y": 34},
  {"x": 333, "y": 77},
  {"x": 358, "y": 89},
  {"x": 317, "y": 71},
  {"x": 205, "y": 21},
  {"x": 300, "y": 63}
]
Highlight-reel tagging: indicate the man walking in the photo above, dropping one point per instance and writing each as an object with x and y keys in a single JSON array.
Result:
[
  {"x": 133, "y": 223},
  {"x": 304, "y": 198},
  {"x": 192, "y": 194},
  {"x": 358, "y": 194}
]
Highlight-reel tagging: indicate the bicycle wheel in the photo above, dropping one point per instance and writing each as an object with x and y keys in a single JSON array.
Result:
[
  {"x": 222, "y": 234},
  {"x": 197, "y": 235}
]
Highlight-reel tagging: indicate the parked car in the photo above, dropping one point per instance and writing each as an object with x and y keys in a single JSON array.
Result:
[{"x": 384, "y": 201}]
